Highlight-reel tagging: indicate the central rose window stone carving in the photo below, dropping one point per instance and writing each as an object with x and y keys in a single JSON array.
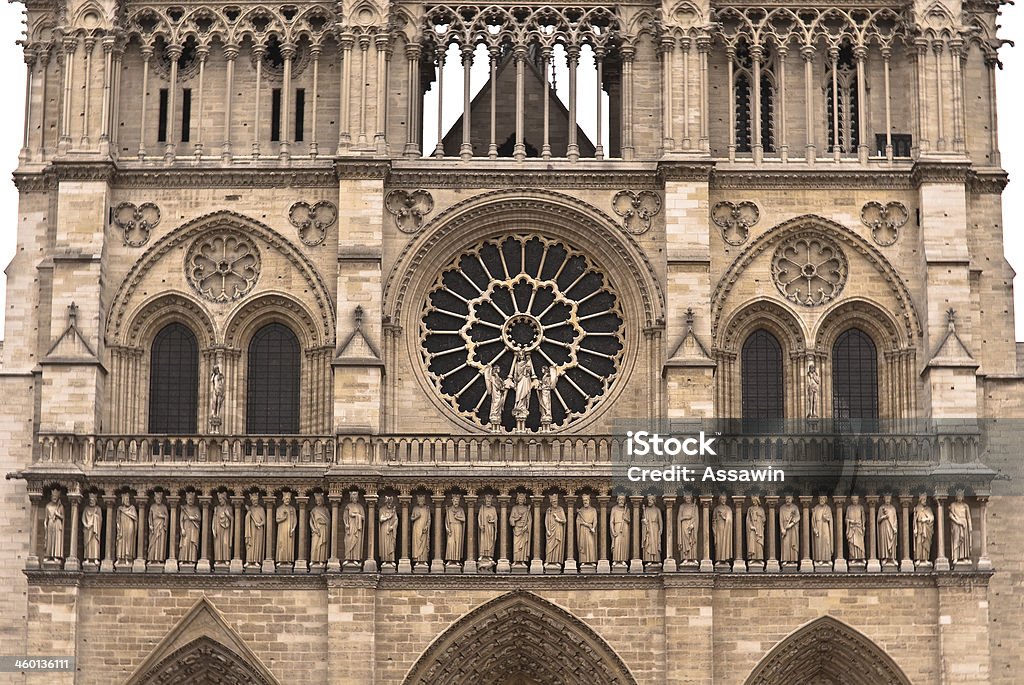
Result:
[{"x": 522, "y": 334}]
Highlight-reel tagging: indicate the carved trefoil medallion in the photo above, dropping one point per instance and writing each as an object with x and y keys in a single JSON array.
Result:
[
  {"x": 136, "y": 222},
  {"x": 408, "y": 208},
  {"x": 885, "y": 221},
  {"x": 735, "y": 220},
  {"x": 312, "y": 220},
  {"x": 223, "y": 266},
  {"x": 522, "y": 333},
  {"x": 636, "y": 209}
]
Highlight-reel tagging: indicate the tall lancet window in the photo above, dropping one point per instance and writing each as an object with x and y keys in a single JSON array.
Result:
[
  {"x": 841, "y": 102},
  {"x": 749, "y": 64}
]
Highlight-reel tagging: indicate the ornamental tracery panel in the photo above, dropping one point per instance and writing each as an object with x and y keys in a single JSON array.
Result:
[{"x": 522, "y": 333}]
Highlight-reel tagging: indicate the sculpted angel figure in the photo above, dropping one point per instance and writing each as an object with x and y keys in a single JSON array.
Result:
[{"x": 497, "y": 391}]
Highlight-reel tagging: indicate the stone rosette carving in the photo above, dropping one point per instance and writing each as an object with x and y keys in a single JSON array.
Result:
[
  {"x": 522, "y": 334},
  {"x": 809, "y": 269},
  {"x": 312, "y": 220},
  {"x": 222, "y": 266},
  {"x": 885, "y": 221},
  {"x": 408, "y": 208},
  {"x": 136, "y": 222},
  {"x": 636, "y": 209},
  {"x": 735, "y": 220}
]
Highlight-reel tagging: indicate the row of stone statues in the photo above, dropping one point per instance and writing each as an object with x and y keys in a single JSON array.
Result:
[{"x": 512, "y": 533}]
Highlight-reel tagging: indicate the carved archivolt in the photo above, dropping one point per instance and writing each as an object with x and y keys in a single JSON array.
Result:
[
  {"x": 208, "y": 661},
  {"x": 409, "y": 208},
  {"x": 222, "y": 267},
  {"x": 735, "y": 220},
  {"x": 809, "y": 269},
  {"x": 885, "y": 221},
  {"x": 636, "y": 209},
  {"x": 136, "y": 222},
  {"x": 312, "y": 220}
]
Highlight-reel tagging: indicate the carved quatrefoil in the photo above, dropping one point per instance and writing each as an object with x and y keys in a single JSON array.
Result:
[
  {"x": 312, "y": 220},
  {"x": 735, "y": 220},
  {"x": 136, "y": 223},
  {"x": 409, "y": 208},
  {"x": 636, "y": 209},
  {"x": 885, "y": 221}
]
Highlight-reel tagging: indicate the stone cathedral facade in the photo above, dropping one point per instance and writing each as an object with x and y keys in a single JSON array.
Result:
[{"x": 328, "y": 320}]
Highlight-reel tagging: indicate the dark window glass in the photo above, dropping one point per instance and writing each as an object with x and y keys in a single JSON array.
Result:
[
  {"x": 275, "y": 114},
  {"x": 272, "y": 396},
  {"x": 174, "y": 381},
  {"x": 761, "y": 371},
  {"x": 300, "y": 113},
  {"x": 186, "y": 115},
  {"x": 901, "y": 144},
  {"x": 854, "y": 376},
  {"x": 161, "y": 128}
]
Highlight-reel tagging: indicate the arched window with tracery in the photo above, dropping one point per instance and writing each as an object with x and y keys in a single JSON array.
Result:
[
  {"x": 174, "y": 381},
  {"x": 841, "y": 102},
  {"x": 273, "y": 376},
  {"x": 761, "y": 373},
  {"x": 854, "y": 376},
  {"x": 746, "y": 101}
]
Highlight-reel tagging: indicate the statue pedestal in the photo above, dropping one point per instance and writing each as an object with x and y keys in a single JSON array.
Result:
[
  {"x": 106, "y": 566},
  {"x": 552, "y": 569},
  {"x": 670, "y": 566},
  {"x": 537, "y": 566},
  {"x": 739, "y": 566},
  {"x": 906, "y": 566},
  {"x": 823, "y": 567},
  {"x": 93, "y": 566},
  {"x": 421, "y": 567},
  {"x": 839, "y": 566},
  {"x": 874, "y": 566},
  {"x": 890, "y": 567},
  {"x": 284, "y": 567},
  {"x": 858, "y": 566},
  {"x": 301, "y": 566},
  {"x": 653, "y": 567},
  {"x": 124, "y": 566},
  {"x": 389, "y": 567},
  {"x": 253, "y": 568},
  {"x": 236, "y": 566},
  {"x": 503, "y": 566},
  {"x": 806, "y": 566},
  {"x": 772, "y": 566},
  {"x": 334, "y": 565},
  {"x": 755, "y": 566},
  {"x": 620, "y": 567},
  {"x": 437, "y": 566},
  {"x": 923, "y": 566},
  {"x": 570, "y": 566},
  {"x": 58, "y": 565},
  {"x": 790, "y": 567},
  {"x": 452, "y": 568},
  {"x": 636, "y": 566},
  {"x": 171, "y": 565},
  {"x": 942, "y": 564},
  {"x": 404, "y": 566},
  {"x": 604, "y": 566},
  {"x": 706, "y": 566},
  {"x": 352, "y": 567},
  {"x": 70, "y": 564},
  {"x": 222, "y": 567},
  {"x": 369, "y": 566},
  {"x": 470, "y": 567},
  {"x": 269, "y": 566},
  {"x": 723, "y": 567},
  {"x": 963, "y": 565}
]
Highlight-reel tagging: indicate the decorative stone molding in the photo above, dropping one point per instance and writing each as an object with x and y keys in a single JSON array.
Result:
[
  {"x": 187, "y": 177},
  {"x": 814, "y": 178},
  {"x": 735, "y": 220},
  {"x": 885, "y": 221},
  {"x": 408, "y": 208},
  {"x": 636, "y": 209},
  {"x": 222, "y": 267},
  {"x": 809, "y": 269},
  {"x": 637, "y": 175},
  {"x": 312, "y": 220},
  {"x": 136, "y": 222}
]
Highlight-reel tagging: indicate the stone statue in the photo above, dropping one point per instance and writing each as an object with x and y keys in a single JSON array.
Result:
[
  {"x": 420, "y": 518},
  {"x": 521, "y": 520},
  {"x": 855, "y": 528},
  {"x": 189, "y": 521},
  {"x": 497, "y": 390},
  {"x": 223, "y": 525},
  {"x": 158, "y": 520},
  {"x": 455, "y": 529},
  {"x": 924, "y": 529},
  {"x": 619, "y": 519},
  {"x": 255, "y": 531},
  {"x": 686, "y": 524},
  {"x": 822, "y": 531},
  {"x": 217, "y": 392},
  {"x": 127, "y": 524},
  {"x": 586, "y": 532},
  {"x": 92, "y": 526},
  {"x": 813, "y": 386},
  {"x": 354, "y": 517},
  {"x": 755, "y": 529},
  {"x": 789, "y": 531},
  {"x": 287, "y": 522},
  {"x": 721, "y": 527},
  {"x": 650, "y": 531},
  {"x": 546, "y": 384},
  {"x": 387, "y": 520},
  {"x": 319, "y": 525},
  {"x": 554, "y": 531},
  {"x": 487, "y": 522},
  {"x": 53, "y": 527},
  {"x": 887, "y": 530},
  {"x": 522, "y": 379},
  {"x": 960, "y": 528}
]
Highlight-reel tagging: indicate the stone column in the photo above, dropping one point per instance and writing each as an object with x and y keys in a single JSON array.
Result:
[
  {"x": 334, "y": 560},
  {"x": 984, "y": 563},
  {"x": 670, "y": 544},
  {"x": 301, "y": 560},
  {"x": 370, "y": 565},
  {"x": 203, "y": 565},
  {"x": 72, "y": 563},
  {"x": 570, "y": 534},
  {"x": 941, "y": 560},
  {"x": 404, "y": 561},
  {"x": 739, "y": 564},
  {"x": 636, "y": 564},
  {"x": 108, "y": 559},
  {"x": 906, "y": 563},
  {"x": 705, "y": 532},
  {"x": 269, "y": 564},
  {"x": 806, "y": 563},
  {"x": 603, "y": 565},
  {"x": 236, "y": 556},
  {"x": 437, "y": 561},
  {"x": 537, "y": 563},
  {"x": 171, "y": 565},
  {"x": 840, "y": 565},
  {"x": 871, "y": 530},
  {"x": 140, "y": 543},
  {"x": 470, "y": 565},
  {"x": 772, "y": 562},
  {"x": 34, "y": 498},
  {"x": 503, "y": 565}
]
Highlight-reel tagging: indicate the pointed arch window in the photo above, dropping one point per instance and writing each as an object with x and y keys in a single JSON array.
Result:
[
  {"x": 842, "y": 102},
  {"x": 854, "y": 376},
  {"x": 761, "y": 372},
  {"x": 745, "y": 101},
  {"x": 174, "y": 381},
  {"x": 273, "y": 376}
]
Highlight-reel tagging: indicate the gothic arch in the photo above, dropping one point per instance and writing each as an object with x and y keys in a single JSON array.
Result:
[
  {"x": 862, "y": 314},
  {"x": 827, "y": 650},
  {"x": 273, "y": 307},
  {"x": 167, "y": 308},
  {"x": 519, "y": 635},
  {"x": 762, "y": 313}
]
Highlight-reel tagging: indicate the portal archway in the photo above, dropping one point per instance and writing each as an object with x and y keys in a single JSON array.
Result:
[
  {"x": 827, "y": 652},
  {"x": 519, "y": 639},
  {"x": 206, "y": 662}
]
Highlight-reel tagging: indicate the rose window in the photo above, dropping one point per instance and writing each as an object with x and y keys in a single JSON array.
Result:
[
  {"x": 809, "y": 269},
  {"x": 223, "y": 267},
  {"x": 522, "y": 333}
]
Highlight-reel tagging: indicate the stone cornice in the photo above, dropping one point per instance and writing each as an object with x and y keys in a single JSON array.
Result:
[
  {"x": 816, "y": 177},
  {"x": 361, "y": 169},
  {"x": 698, "y": 170},
  {"x": 612, "y": 176},
  {"x": 229, "y": 177},
  {"x": 988, "y": 182},
  {"x": 930, "y": 171}
]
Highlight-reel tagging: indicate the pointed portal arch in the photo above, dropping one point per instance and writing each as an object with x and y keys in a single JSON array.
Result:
[
  {"x": 515, "y": 639},
  {"x": 827, "y": 651}
]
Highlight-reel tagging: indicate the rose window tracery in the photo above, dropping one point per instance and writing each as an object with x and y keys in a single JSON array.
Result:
[
  {"x": 522, "y": 333},
  {"x": 223, "y": 267},
  {"x": 809, "y": 269}
]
